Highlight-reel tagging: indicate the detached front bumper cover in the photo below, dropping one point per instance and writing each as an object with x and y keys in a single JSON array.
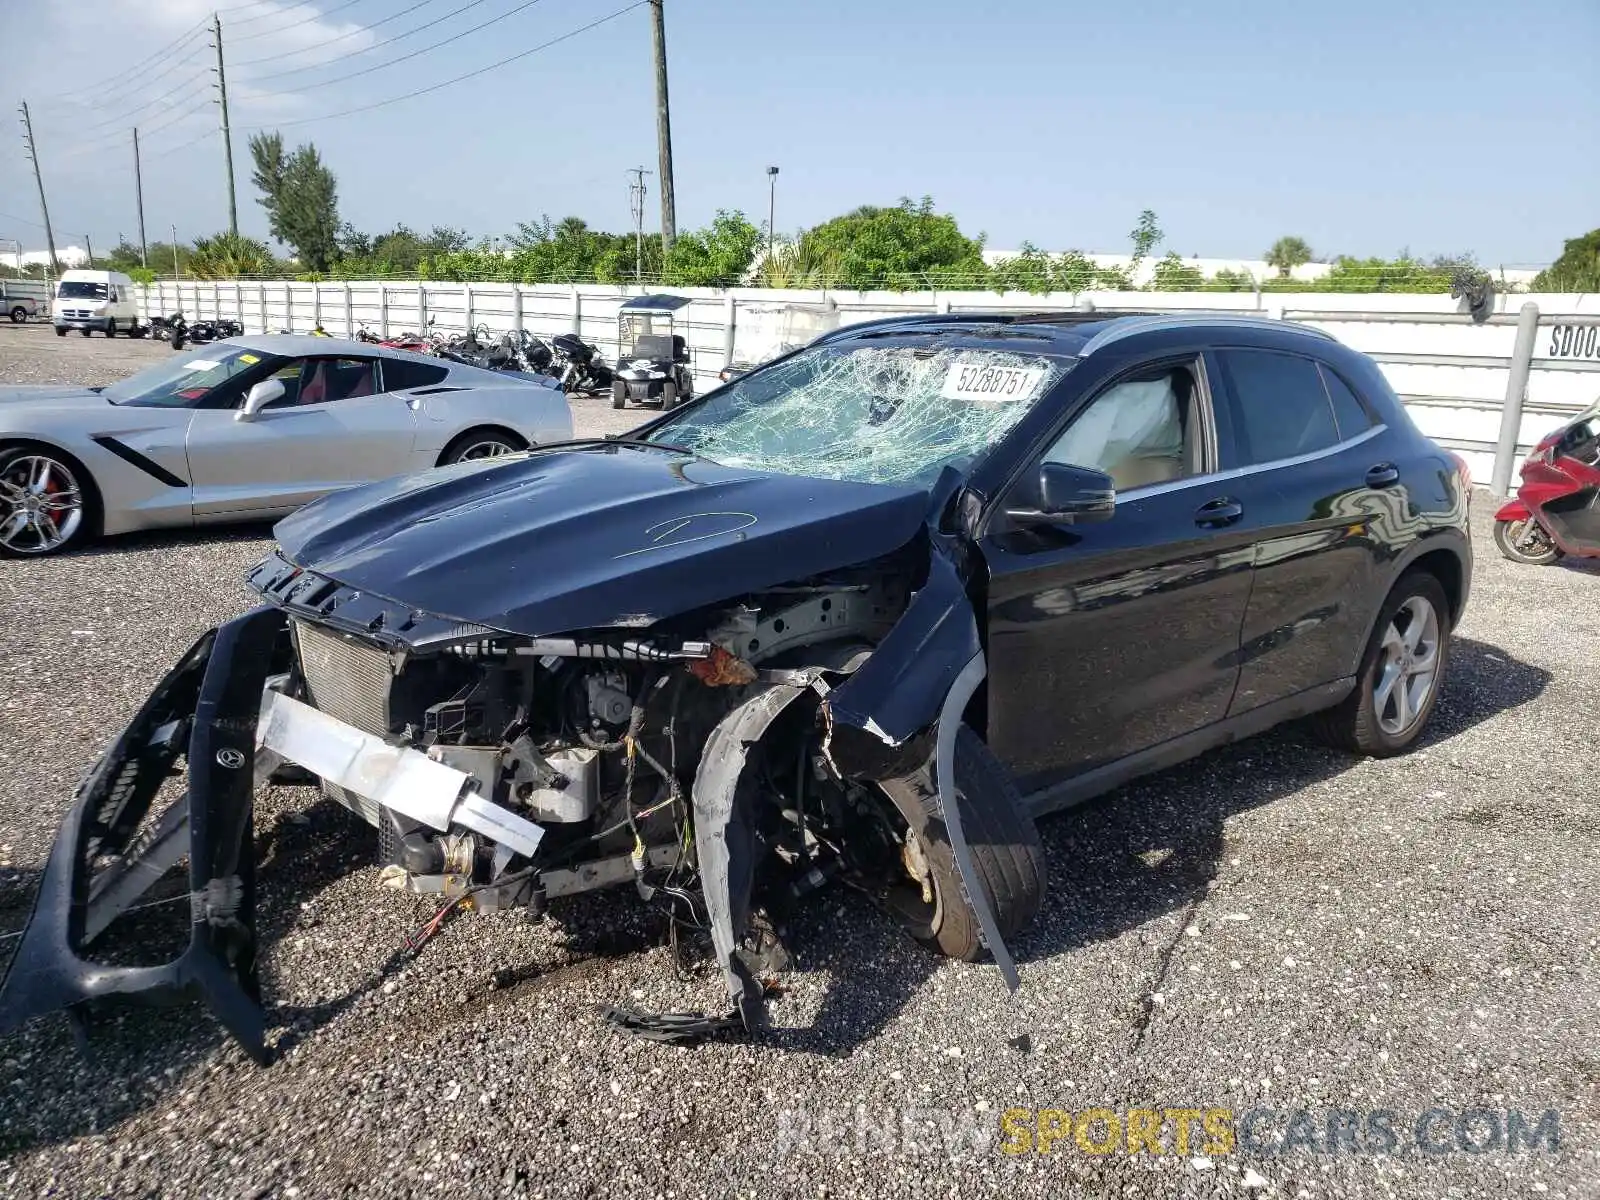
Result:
[{"x": 206, "y": 708}]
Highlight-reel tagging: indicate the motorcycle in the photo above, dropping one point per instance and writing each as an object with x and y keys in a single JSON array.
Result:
[
  {"x": 173, "y": 329},
  {"x": 577, "y": 366},
  {"x": 1556, "y": 511}
]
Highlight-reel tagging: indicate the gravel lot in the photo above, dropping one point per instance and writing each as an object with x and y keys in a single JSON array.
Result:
[{"x": 1274, "y": 926}]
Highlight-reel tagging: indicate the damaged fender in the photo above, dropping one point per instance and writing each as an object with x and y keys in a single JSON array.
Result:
[{"x": 205, "y": 707}]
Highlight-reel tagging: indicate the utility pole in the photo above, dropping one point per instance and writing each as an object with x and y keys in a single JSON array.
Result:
[
  {"x": 138, "y": 190},
  {"x": 227, "y": 134},
  {"x": 177, "y": 273},
  {"x": 44, "y": 209},
  {"x": 669, "y": 215},
  {"x": 89, "y": 246},
  {"x": 772, "y": 208},
  {"x": 636, "y": 207}
]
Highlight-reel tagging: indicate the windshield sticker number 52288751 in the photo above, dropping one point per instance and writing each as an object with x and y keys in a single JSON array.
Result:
[{"x": 995, "y": 384}]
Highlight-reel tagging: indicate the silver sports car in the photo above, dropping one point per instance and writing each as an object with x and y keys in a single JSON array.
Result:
[{"x": 248, "y": 429}]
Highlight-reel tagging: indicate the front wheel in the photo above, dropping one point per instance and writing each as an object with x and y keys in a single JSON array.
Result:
[
  {"x": 1525, "y": 541},
  {"x": 930, "y": 901},
  {"x": 1400, "y": 674},
  {"x": 46, "y": 502},
  {"x": 61, "y": 331},
  {"x": 111, "y": 329},
  {"x": 86, "y": 331},
  {"x": 619, "y": 394},
  {"x": 669, "y": 396}
]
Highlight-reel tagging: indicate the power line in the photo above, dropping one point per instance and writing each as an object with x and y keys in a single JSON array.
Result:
[
  {"x": 321, "y": 16},
  {"x": 352, "y": 33},
  {"x": 113, "y": 81},
  {"x": 21, "y": 220},
  {"x": 458, "y": 79},
  {"x": 128, "y": 116}
]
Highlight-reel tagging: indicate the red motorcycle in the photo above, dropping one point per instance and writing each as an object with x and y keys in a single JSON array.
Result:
[{"x": 1557, "y": 508}]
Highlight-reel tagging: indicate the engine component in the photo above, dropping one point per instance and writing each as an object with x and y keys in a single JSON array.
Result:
[
  {"x": 609, "y": 702},
  {"x": 560, "y": 789}
]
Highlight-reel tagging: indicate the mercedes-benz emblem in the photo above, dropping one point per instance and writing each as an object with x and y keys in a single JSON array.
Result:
[{"x": 230, "y": 758}]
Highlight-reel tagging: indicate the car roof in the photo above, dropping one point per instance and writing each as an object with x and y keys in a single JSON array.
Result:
[
  {"x": 662, "y": 302},
  {"x": 293, "y": 345},
  {"x": 1073, "y": 333}
]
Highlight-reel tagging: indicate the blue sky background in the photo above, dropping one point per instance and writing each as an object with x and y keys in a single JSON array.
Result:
[{"x": 1364, "y": 127}]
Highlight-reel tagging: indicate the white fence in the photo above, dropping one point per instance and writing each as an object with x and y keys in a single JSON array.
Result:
[{"x": 1451, "y": 372}]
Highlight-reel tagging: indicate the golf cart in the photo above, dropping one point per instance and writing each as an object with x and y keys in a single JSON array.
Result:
[{"x": 654, "y": 364}]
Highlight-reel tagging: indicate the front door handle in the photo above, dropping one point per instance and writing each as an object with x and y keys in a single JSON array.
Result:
[
  {"x": 1383, "y": 475},
  {"x": 1214, "y": 514}
]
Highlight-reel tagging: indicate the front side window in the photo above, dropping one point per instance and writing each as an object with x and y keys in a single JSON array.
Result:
[
  {"x": 1281, "y": 408},
  {"x": 868, "y": 413},
  {"x": 1139, "y": 431},
  {"x": 184, "y": 380},
  {"x": 322, "y": 381}
]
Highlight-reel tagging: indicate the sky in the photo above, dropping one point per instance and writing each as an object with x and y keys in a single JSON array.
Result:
[{"x": 1364, "y": 126}]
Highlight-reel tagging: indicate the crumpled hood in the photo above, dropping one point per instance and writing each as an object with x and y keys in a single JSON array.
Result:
[
  {"x": 53, "y": 395},
  {"x": 560, "y": 540}
]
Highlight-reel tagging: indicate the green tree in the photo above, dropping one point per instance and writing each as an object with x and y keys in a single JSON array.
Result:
[
  {"x": 800, "y": 264},
  {"x": 903, "y": 248},
  {"x": 1578, "y": 268},
  {"x": 1287, "y": 253},
  {"x": 300, "y": 197},
  {"x": 717, "y": 256},
  {"x": 229, "y": 255},
  {"x": 1146, "y": 236},
  {"x": 1228, "y": 280},
  {"x": 1029, "y": 270},
  {"x": 1174, "y": 275}
]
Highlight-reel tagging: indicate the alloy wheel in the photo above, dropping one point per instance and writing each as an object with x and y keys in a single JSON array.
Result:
[
  {"x": 1408, "y": 666},
  {"x": 487, "y": 448},
  {"x": 41, "y": 505}
]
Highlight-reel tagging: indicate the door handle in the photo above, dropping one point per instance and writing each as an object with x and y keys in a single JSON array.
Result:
[
  {"x": 1214, "y": 514},
  {"x": 1383, "y": 475}
]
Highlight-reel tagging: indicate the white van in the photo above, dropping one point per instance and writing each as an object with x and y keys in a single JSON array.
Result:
[{"x": 90, "y": 300}]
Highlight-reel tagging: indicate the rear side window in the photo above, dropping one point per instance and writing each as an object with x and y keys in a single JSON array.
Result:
[
  {"x": 1352, "y": 416},
  {"x": 401, "y": 375},
  {"x": 1281, "y": 408}
]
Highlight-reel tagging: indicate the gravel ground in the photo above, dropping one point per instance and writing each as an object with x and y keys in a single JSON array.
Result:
[{"x": 1273, "y": 926}]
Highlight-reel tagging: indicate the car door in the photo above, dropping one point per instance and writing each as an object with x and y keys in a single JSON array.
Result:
[
  {"x": 1327, "y": 503},
  {"x": 334, "y": 427},
  {"x": 1107, "y": 639}
]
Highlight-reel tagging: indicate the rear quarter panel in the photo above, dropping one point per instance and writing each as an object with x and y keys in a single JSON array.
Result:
[{"x": 538, "y": 414}]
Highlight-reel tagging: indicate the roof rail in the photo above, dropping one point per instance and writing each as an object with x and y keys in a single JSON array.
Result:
[{"x": 1131, "y": 325}]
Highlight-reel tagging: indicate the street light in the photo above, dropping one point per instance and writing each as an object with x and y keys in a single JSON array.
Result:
[{"x": 772, "y": 205}]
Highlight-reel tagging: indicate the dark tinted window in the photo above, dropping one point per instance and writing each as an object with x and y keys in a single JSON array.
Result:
[
  {"x": 1347, "y": 410},
  {"x": 1280, "y": 407},
  {"x": 400, "y": 375}
]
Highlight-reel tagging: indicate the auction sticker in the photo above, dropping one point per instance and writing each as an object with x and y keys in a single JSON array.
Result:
[
  {"x": 991, "y": 383},
  {"x": 201, "y": 364}
]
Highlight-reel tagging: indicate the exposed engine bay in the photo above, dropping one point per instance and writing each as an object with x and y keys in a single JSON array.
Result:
[{"x": 724, "y": 763}]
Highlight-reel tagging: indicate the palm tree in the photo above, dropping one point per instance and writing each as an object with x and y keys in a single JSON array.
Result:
[{"x": 1287, "y": 253}]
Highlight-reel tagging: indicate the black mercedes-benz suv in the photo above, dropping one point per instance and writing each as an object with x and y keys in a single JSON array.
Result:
[{"x": 860, "y": 615}]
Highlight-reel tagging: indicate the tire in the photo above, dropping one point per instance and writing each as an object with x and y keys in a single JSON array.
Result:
[
  {"x": 472, "y": 445},
  {"x": 111, "y": 328},
  {"x": 86, "y": 331},
  {"x": 669, "y": 396},
  {"x": 61, "y": 331},
  {"x": 619, "y": 394},
  {"x": 66, "y": 470},
  {"x": 1358, "y": 723},
  {"x": 1508, "y": 533},
  {"x": 18, "y": 315},
  {"x": 1005, "y": 846}
]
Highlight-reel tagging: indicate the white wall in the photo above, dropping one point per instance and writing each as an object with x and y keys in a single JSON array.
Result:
[{"x": 1451, "y": 373}]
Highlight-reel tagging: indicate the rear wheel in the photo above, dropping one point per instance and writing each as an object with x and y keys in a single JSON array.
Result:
[
  {"x": 669, "y": 395},
  {"x": 1400, "y": 674},
  {"x": 1006, "y": 853},
  {"x": 1525, "y": 541},
  {"x": 486, "y": 442},
  {"x": 18, "y": 315},
  {"x": 619, "y": 394},
  {"x": 111, "y": 329}
]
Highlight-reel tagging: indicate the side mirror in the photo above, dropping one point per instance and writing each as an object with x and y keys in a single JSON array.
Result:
[
  {"x": 261, "y": 395},
  {"x": 1063, "y": 494}
]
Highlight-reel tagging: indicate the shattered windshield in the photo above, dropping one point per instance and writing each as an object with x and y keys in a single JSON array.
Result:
[{"x": 870, "y": 414}]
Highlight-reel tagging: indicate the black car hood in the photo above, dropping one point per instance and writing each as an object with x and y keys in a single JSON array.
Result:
[{"x": 562, "y": 540}]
